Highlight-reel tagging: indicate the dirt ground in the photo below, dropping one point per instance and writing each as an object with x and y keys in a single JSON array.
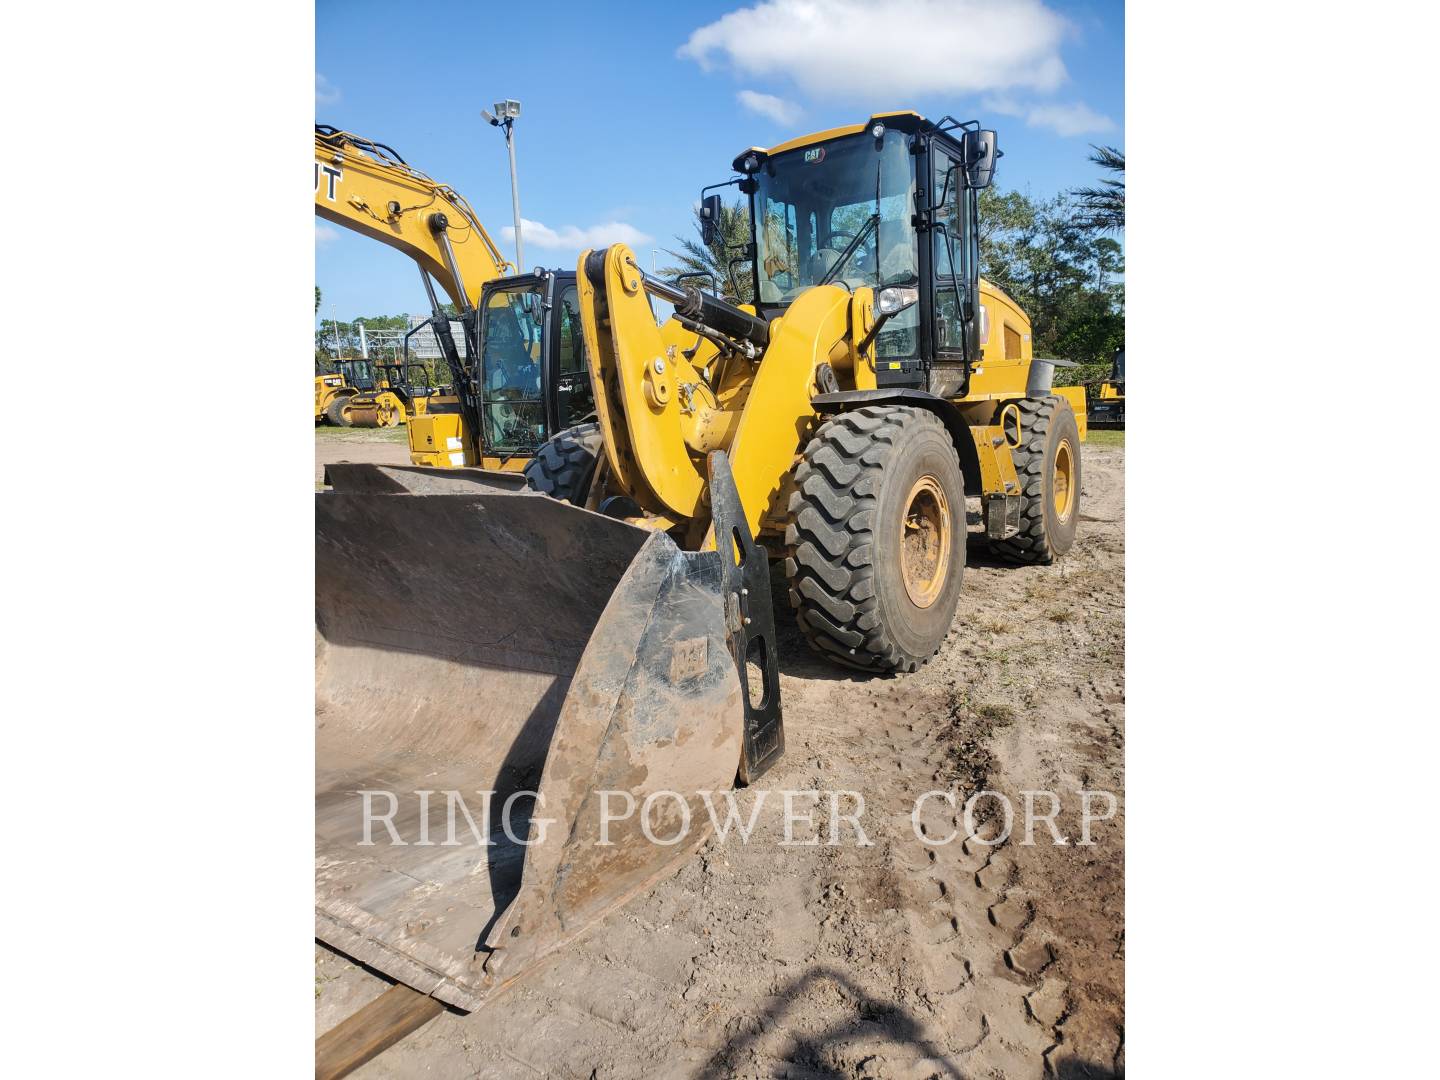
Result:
[
  {"x": 893, "y": 960},
  {"x": 379, "y": 446}
]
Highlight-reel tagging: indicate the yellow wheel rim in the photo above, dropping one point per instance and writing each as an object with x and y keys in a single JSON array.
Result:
[
  {"x": 925, "y": 541},
  {"x": 1063, "y": 481}
]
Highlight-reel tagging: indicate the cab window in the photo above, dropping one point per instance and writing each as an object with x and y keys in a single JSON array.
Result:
[
  {"x": 572, "y": 338},
  {"x": 574, "y": 396},
  {"x": 512, "y": 410}
]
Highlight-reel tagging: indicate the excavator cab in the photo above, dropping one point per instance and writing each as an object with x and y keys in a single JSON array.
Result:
[
  {"x": 518, "y": 374},
  {"x": 531, "y": 379}
]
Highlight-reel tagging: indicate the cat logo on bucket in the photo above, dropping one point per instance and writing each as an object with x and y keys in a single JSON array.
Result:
[{"x": 815, "y": 155}]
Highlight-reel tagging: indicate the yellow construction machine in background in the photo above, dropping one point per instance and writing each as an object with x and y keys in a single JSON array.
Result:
[
  {"x": 363, "y": 394},
  {"x": 611, "y": 641},
  {"x": 329, "y": 394},
  {"x": 1107, "y": 405},
  {"x": 517, "y": 375}
]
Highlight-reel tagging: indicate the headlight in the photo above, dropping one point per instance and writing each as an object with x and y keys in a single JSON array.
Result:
[{"x": 895, "y": 299}]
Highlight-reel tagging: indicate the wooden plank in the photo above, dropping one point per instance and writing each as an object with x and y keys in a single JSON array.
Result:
[{"x": 372, "y": 1030}]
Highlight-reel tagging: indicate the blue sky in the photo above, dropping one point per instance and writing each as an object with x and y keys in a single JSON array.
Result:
[{"x": 629, "y": 109}]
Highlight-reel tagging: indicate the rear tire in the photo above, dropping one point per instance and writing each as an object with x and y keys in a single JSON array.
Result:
[
  {"x": 876, "y": 540},
  {"x": 566, "y": 463},
  {"x": 1047, "y": 464},
  {"x": 335, "y": 411}
]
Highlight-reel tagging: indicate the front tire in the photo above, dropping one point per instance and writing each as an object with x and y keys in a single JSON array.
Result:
[
  {"x": 876, "y": 540},
  {"x": 565, "y": 465},
  {"x": 1047, "y": 464}
]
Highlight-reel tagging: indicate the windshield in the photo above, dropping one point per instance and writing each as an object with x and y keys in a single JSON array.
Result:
[
  {"x": 811, "y": 205},
  {"x": 512, "y": 410}
]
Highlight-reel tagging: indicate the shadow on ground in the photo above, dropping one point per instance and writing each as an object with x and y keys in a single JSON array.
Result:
[{"x": 809, "y": 1051}]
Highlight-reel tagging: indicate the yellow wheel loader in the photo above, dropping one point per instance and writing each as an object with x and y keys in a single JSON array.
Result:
[
  {"x": 531, "y": 379},
  {"x": 594, "y": 642},
  {"x": 329, "y": 388},
  {"x": 875, "y": 384}
]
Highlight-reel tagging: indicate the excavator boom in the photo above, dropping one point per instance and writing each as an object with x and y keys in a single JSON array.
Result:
[{"x": 366, "y": 186}]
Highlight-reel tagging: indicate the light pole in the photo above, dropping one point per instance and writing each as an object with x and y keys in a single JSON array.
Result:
[{"x": 505, "y": 115}]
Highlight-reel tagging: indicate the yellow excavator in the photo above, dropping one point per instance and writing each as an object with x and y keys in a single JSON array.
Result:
[
  {"x": 603, "y": 637},
  {"x": 517, "y": 373}
]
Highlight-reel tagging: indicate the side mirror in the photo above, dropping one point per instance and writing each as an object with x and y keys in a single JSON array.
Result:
[
  {"x": 709, "y": 218},
  {"x": 981, "y": 154}
]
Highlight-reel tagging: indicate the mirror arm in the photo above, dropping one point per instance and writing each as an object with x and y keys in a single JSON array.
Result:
[{"x": 880, "y": 321}]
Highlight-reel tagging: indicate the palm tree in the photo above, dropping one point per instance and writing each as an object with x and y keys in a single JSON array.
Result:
[
  {"x": 1103, "y": 208},
  {"x": 731, "y": 235}
]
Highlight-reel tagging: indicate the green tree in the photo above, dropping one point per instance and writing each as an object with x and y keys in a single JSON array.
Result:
[
  {"x": 317, "y": 299},
  {"x": 1063, "y": 274},
  {"x": 1103, "y": 208},
  {"x": 695, "y": 257}
]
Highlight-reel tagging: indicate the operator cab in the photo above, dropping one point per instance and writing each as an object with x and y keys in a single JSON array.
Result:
[
  {"x": 890, "y": 204},
  {"x": 358, "y": 373},
  {"x": 532, "y": 380}
]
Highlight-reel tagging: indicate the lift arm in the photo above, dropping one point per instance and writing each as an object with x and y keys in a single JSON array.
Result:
[
  {"x": 368, "y": 187},
  {"x": 663, "y": 408}
]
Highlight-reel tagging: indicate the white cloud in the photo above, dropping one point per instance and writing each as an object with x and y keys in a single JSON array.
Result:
[
  {"x": 777, "y": 109},
  {"x": 884, "y": 53},
  {"x": 574, "y": 237},
  {"x": 325, "y": 235},
  {"x": 1076, "y": 118},
  {"x": 326, "y": 92}
]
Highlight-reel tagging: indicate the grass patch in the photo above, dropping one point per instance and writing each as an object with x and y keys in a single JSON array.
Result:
[
  {"x": 1060, "y": 615},
  {"x": 344, "y": 434},
  {"x": 1106, "y": 437},
  {"x": 997, "y": 712}
]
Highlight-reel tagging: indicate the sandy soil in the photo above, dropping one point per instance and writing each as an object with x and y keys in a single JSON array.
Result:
[
  {"x": 379, "y": 446},
  {"x": 893, "y": 960}
]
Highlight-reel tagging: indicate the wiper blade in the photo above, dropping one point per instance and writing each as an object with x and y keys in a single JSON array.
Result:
[{"x": 834, "y": 271}]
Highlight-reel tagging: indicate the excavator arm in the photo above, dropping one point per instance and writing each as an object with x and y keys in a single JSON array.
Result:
[{"x": 368, "y": 187}]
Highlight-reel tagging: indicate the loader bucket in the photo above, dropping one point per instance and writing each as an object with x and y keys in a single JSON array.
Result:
[{"x": 476, "y": 639}]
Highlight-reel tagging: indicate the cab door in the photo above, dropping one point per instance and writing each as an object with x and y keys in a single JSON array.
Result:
[
  {"x": 574, "y": 398},
  {"x": 954, "y": 263}
]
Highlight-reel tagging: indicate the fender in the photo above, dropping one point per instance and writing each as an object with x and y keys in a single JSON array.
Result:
[{"x": 845, "y": 400}]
